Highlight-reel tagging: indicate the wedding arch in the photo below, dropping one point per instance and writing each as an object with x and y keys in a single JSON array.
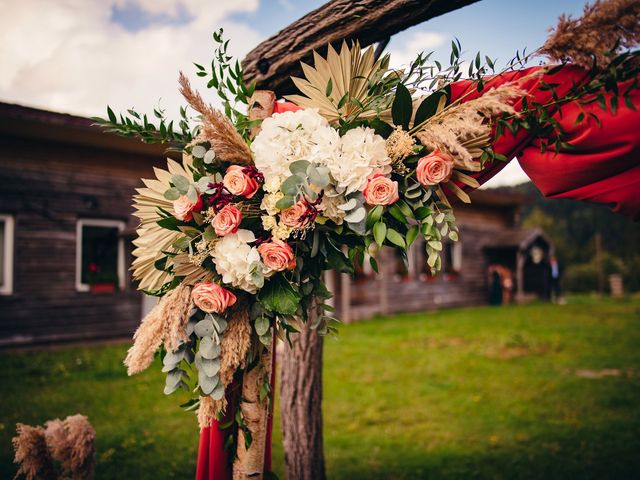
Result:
[{"x": 235, "y": 238}]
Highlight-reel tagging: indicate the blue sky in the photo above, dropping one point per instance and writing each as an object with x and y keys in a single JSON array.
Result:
[{"x": 77, "y": 56}]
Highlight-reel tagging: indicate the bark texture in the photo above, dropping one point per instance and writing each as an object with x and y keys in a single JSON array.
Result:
[
  {"x": 301, "y": 405},
  {"x": 273, "y": 61},
  {"x": 249, "y": 463}
]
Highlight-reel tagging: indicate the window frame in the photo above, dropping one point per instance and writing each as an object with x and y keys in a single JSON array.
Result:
[
  {"x": 8, "y": 253},
  {"x": 120, "y": 261}
]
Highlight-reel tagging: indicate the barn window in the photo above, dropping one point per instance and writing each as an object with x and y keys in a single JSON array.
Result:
[
  {"x": 452, "y": 257},
  {"x": 99, "y": 255},
  {"x": 6, "y": 254}
]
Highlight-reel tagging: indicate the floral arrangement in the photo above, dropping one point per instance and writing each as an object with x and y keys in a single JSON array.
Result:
[{"x": 236, "y": 236}]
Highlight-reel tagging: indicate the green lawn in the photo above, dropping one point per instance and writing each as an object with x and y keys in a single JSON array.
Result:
[{"x": 528, "y": 392}]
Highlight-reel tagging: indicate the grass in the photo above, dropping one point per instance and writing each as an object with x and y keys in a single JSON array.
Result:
[{"x": 522, "y": 392}]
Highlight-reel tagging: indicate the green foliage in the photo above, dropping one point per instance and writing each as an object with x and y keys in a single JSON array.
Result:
[
  {"x": 227, "y": 78},
  {"x": 134, "y": 124},
  {"x": 279, "y": 296}
]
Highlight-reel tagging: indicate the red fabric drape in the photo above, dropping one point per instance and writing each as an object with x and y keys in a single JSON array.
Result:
[
  {"x": 604, "y": 164},
  {"x": 214, "y": 463}
]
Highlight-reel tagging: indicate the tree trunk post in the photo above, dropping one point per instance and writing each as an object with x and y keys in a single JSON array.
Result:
[{"x": 301, "y": 405}]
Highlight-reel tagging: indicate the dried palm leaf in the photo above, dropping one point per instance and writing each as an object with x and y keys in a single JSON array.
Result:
[
  {"x": 347, "y": 73},
  {"x": 152, "y": 239}
]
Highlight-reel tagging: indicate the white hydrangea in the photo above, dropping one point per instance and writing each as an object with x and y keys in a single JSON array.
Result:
[
  {"x": 239, "y": 263},
  {"x": 290, "y": 136},
  {"x": 362, "y": 152}
]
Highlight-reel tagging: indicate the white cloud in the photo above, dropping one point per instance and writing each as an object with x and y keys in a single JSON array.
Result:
[
  {"x": 512, "y": 174},
  {"x": 68, "y": 55},
  {"x": 417, "y": 42}
]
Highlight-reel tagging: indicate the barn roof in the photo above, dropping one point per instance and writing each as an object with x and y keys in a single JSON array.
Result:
[
  {"x": 27, "y": 122},
  {"x": 520, "y": 238}
]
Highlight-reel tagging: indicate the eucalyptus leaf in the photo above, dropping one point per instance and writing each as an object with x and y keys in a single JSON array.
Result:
[
  {"x": 317, "y": 177},
  {"x": 210, "y": 367},
  {"x": 208, "y": 348},
  {"x": 435, "y": 245},
  {"x": 198, "y": 151},
  {"x": 192, "y": 194},
  {"x": 173, "y": 358},
  {"x": 204, "y": 328},
  {"x": 349, "y": 205},
  {"x": 356, "y": 216},
  {"x": 173, "y": 378},
  {"x": 285, "y": 202},
  {"x": 299, "y": 166},
  {"x": 207, "y": 384},
  {"x": 181, "y": 183},
  {"x": 292, "y": 184},
  {"x": 261, "y": 325},
  {"x": 218, "y": 392},
  {"x": 209, "y": 157},
  {"x": 172, "y": 194}
]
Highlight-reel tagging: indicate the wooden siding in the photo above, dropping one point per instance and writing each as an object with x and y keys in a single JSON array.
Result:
[
  {"x": 382, "y": 294},
  {"x": 47, "y": 187}
]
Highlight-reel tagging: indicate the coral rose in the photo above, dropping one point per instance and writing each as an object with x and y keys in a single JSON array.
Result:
[
  {"x": 227, "y": 221},
  {"x": 239, "y": 183},
  {"x": 183, "y": 207},
  {"x": 380, "y": 190},
  {"x": 277, "y": 256},
  {"x": 435, "y": 168},
  {"x": 294, "y": 216},
  {"x": 212, "y": 298}
]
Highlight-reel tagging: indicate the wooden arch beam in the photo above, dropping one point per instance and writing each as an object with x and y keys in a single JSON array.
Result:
[{"x": 275, "y": 60}]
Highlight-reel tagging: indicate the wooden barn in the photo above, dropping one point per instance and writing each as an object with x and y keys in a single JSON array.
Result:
[
  {"x": 66, "y": 227},
  {"x": 66, "y": 231},
  {"x": 490, "y": 235}
]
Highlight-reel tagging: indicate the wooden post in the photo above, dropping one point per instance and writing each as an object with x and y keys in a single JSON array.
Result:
[
  {"x": 520, "y": 275},
  {"x": 301, "y": 405},
  {"x": 598, "y": 240}
]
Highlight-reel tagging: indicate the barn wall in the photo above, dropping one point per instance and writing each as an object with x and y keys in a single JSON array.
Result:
[
  {"x": 478, "y": 225},
  {"x": 48, "y": 187}
]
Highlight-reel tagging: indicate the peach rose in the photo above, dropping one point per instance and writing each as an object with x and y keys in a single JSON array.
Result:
[
  {"x": 293, "y": 216},
  {"x": 227, "y": 221},
  {"x": 435, "y": 168},
  {"x": 183, "y": 207},
  {"x": 380, "y": 190},
  {"x": 211, "y": 297},
  {"x": 277, "y": 255},
  {"x": 239, "y": 183}
]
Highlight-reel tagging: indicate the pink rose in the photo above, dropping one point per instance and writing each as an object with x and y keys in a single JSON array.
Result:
[
  {"x": 239, "y": 183},
  {"x": 435, "y": 168},
  {"x": 211, "y": 297},
  {"x": 183, "y": 208},
  {"x": 380, "y": 190},
  {"x": 294, "y": 216},
  {"x": 277, "y": 255},
  {"x": 227, "y": 221}
]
